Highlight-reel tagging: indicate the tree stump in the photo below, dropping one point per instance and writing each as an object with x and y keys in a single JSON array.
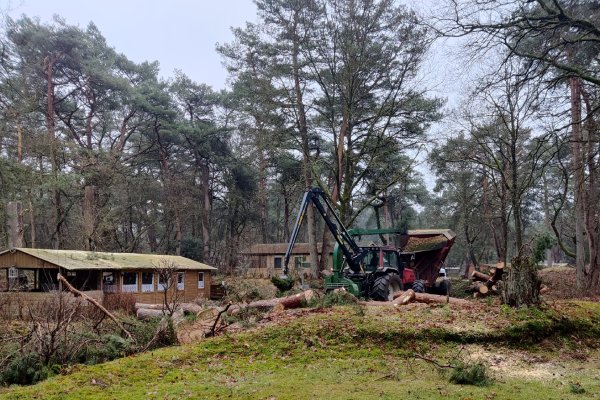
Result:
[{"x": 522, "y": 284}]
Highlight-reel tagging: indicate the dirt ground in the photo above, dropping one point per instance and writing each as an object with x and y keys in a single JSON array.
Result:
[
  {"x": 559, "y": 279},
  {"x": 562, "y": 283}
]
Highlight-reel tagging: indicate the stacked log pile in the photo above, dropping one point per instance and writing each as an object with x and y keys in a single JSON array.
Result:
[{"x": 487, "y": 284}]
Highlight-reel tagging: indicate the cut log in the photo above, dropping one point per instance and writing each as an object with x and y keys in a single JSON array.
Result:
[
  {"x": 480, "y": 276},
  {"x": 483, "y": 289},
  {"x": 438, "y": 299},
  {"x": 149, "y": 313},
  {"x": 423, "y": 298},
  {"x": 149, "y": 306},
  {"x": 474, "y": 287},
  {"x": 297, "y": 300},
  {"x": 405, "y": 298},
  {"x": 289, "y": 302}
]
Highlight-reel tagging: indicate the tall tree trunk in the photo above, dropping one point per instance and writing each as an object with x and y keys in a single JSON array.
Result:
[
  {"x": 592, "y": 195},
  {"x": 89, "y": 216},
  {"x": 514, "y": 193},
  {"x": 33, "y": 244},
  {"x": 206, "y": 208},
  {"x": 171, "y": 193},
  {"x": 14, "y": 211},
  {"x": 579, "y": 184},
  {"x": 262, "y": 192},
  {"x": 306, "y": 161},
  {"x": 19, "y": 142},
  {"x": 286, "y": 214},
  {"x": 50, "y": 127},
  {"x": 496, "y": 224}
]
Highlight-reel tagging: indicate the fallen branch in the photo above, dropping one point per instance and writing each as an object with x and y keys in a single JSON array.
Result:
[
  {"x": 212, "y": 329},
  {"x": 480, "y": 276},
  {"x": 432, "y": 361},
  {"x": 77, "y": 293}
]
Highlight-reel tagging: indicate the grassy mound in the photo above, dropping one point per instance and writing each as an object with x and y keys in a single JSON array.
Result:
[{"x": 341, "y": 353}]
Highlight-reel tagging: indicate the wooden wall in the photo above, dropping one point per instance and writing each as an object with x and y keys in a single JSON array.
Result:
[
  {"x": 189, "y": 293},
  {"x": 23, "y": 260},
  {"x": 267, "y": 265}
]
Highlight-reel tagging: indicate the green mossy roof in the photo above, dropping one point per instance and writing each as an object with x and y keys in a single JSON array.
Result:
[{"x": 85, "y": 260}]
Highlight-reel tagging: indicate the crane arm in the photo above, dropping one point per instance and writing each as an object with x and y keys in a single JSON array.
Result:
[{"x": 349, "y": 247}]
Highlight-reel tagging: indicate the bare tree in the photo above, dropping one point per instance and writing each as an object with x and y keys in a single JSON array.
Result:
[{"x": 168, "y": 280}]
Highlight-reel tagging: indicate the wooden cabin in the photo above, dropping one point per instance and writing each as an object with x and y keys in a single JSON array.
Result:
[
  {"x": 143, "y": 275},
  {"x": 266, "y": 260}
]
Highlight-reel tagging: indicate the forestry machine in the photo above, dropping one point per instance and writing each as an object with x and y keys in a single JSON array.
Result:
[{"x": 377, "y": 269}]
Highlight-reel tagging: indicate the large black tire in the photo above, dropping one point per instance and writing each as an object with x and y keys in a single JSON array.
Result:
[
  {"x": 418, "y": 286},
  {"x": 385, "y": 286}
]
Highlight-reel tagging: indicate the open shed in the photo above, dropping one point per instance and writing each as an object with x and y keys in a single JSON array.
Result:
[{"x": 140, "y": 274}]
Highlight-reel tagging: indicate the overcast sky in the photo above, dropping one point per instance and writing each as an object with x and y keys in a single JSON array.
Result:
[
  {"x": 182, "y": 34},
  {"x": 179, "y": 34}
]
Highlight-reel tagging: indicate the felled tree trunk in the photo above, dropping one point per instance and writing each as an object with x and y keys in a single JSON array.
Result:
[
  {"x": 421, "y": 298},
  {"x": 293, "y": 301},
  {"x": 480, "y": 276},
  {"x": 522, "y": 284}
]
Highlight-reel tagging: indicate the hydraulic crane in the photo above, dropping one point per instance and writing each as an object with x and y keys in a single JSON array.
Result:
[{"x": 373, "y": 271}]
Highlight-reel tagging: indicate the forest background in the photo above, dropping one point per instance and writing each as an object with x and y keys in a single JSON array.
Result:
[{"x": 101, "y": 153}]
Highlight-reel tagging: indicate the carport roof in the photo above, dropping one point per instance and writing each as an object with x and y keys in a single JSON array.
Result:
[{"x": 73, "y": 260}]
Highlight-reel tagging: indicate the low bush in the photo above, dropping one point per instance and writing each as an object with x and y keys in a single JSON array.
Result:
[
  {"x": 341, "y": 298},
  {"x": 26, "y": 369},
  {"x": 283, "y": 284},
  {"x": 475, "y": 374},
  {"x": 243, "y": 290}
]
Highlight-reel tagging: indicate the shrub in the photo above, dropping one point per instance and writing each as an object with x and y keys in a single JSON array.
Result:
[
  {"x": 576, "y": 388},
  {"x": 26, "y": 369},
  {"x": 119, "y": 301},
  {"x": 341, "y": 298},
  {"x": 283, "y": 284},
  {"x": 475, "y": 374},
  {"x": 243, "y": 290}
]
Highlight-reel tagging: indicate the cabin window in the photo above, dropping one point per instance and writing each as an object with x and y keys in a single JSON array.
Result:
[
  {"x": 200, "y": 280},
  {"x": 147, "y": 282},
  {"x": 13, "y": 273},
  {"x": 277, "y": 262},
  {"x": 130, "y": 282},
  {"x": 300, "y": 262},
  {"x": 180, "y": 280},
  {"x": 163, "y": 283},
  {"x": 109, "y": 282}
]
